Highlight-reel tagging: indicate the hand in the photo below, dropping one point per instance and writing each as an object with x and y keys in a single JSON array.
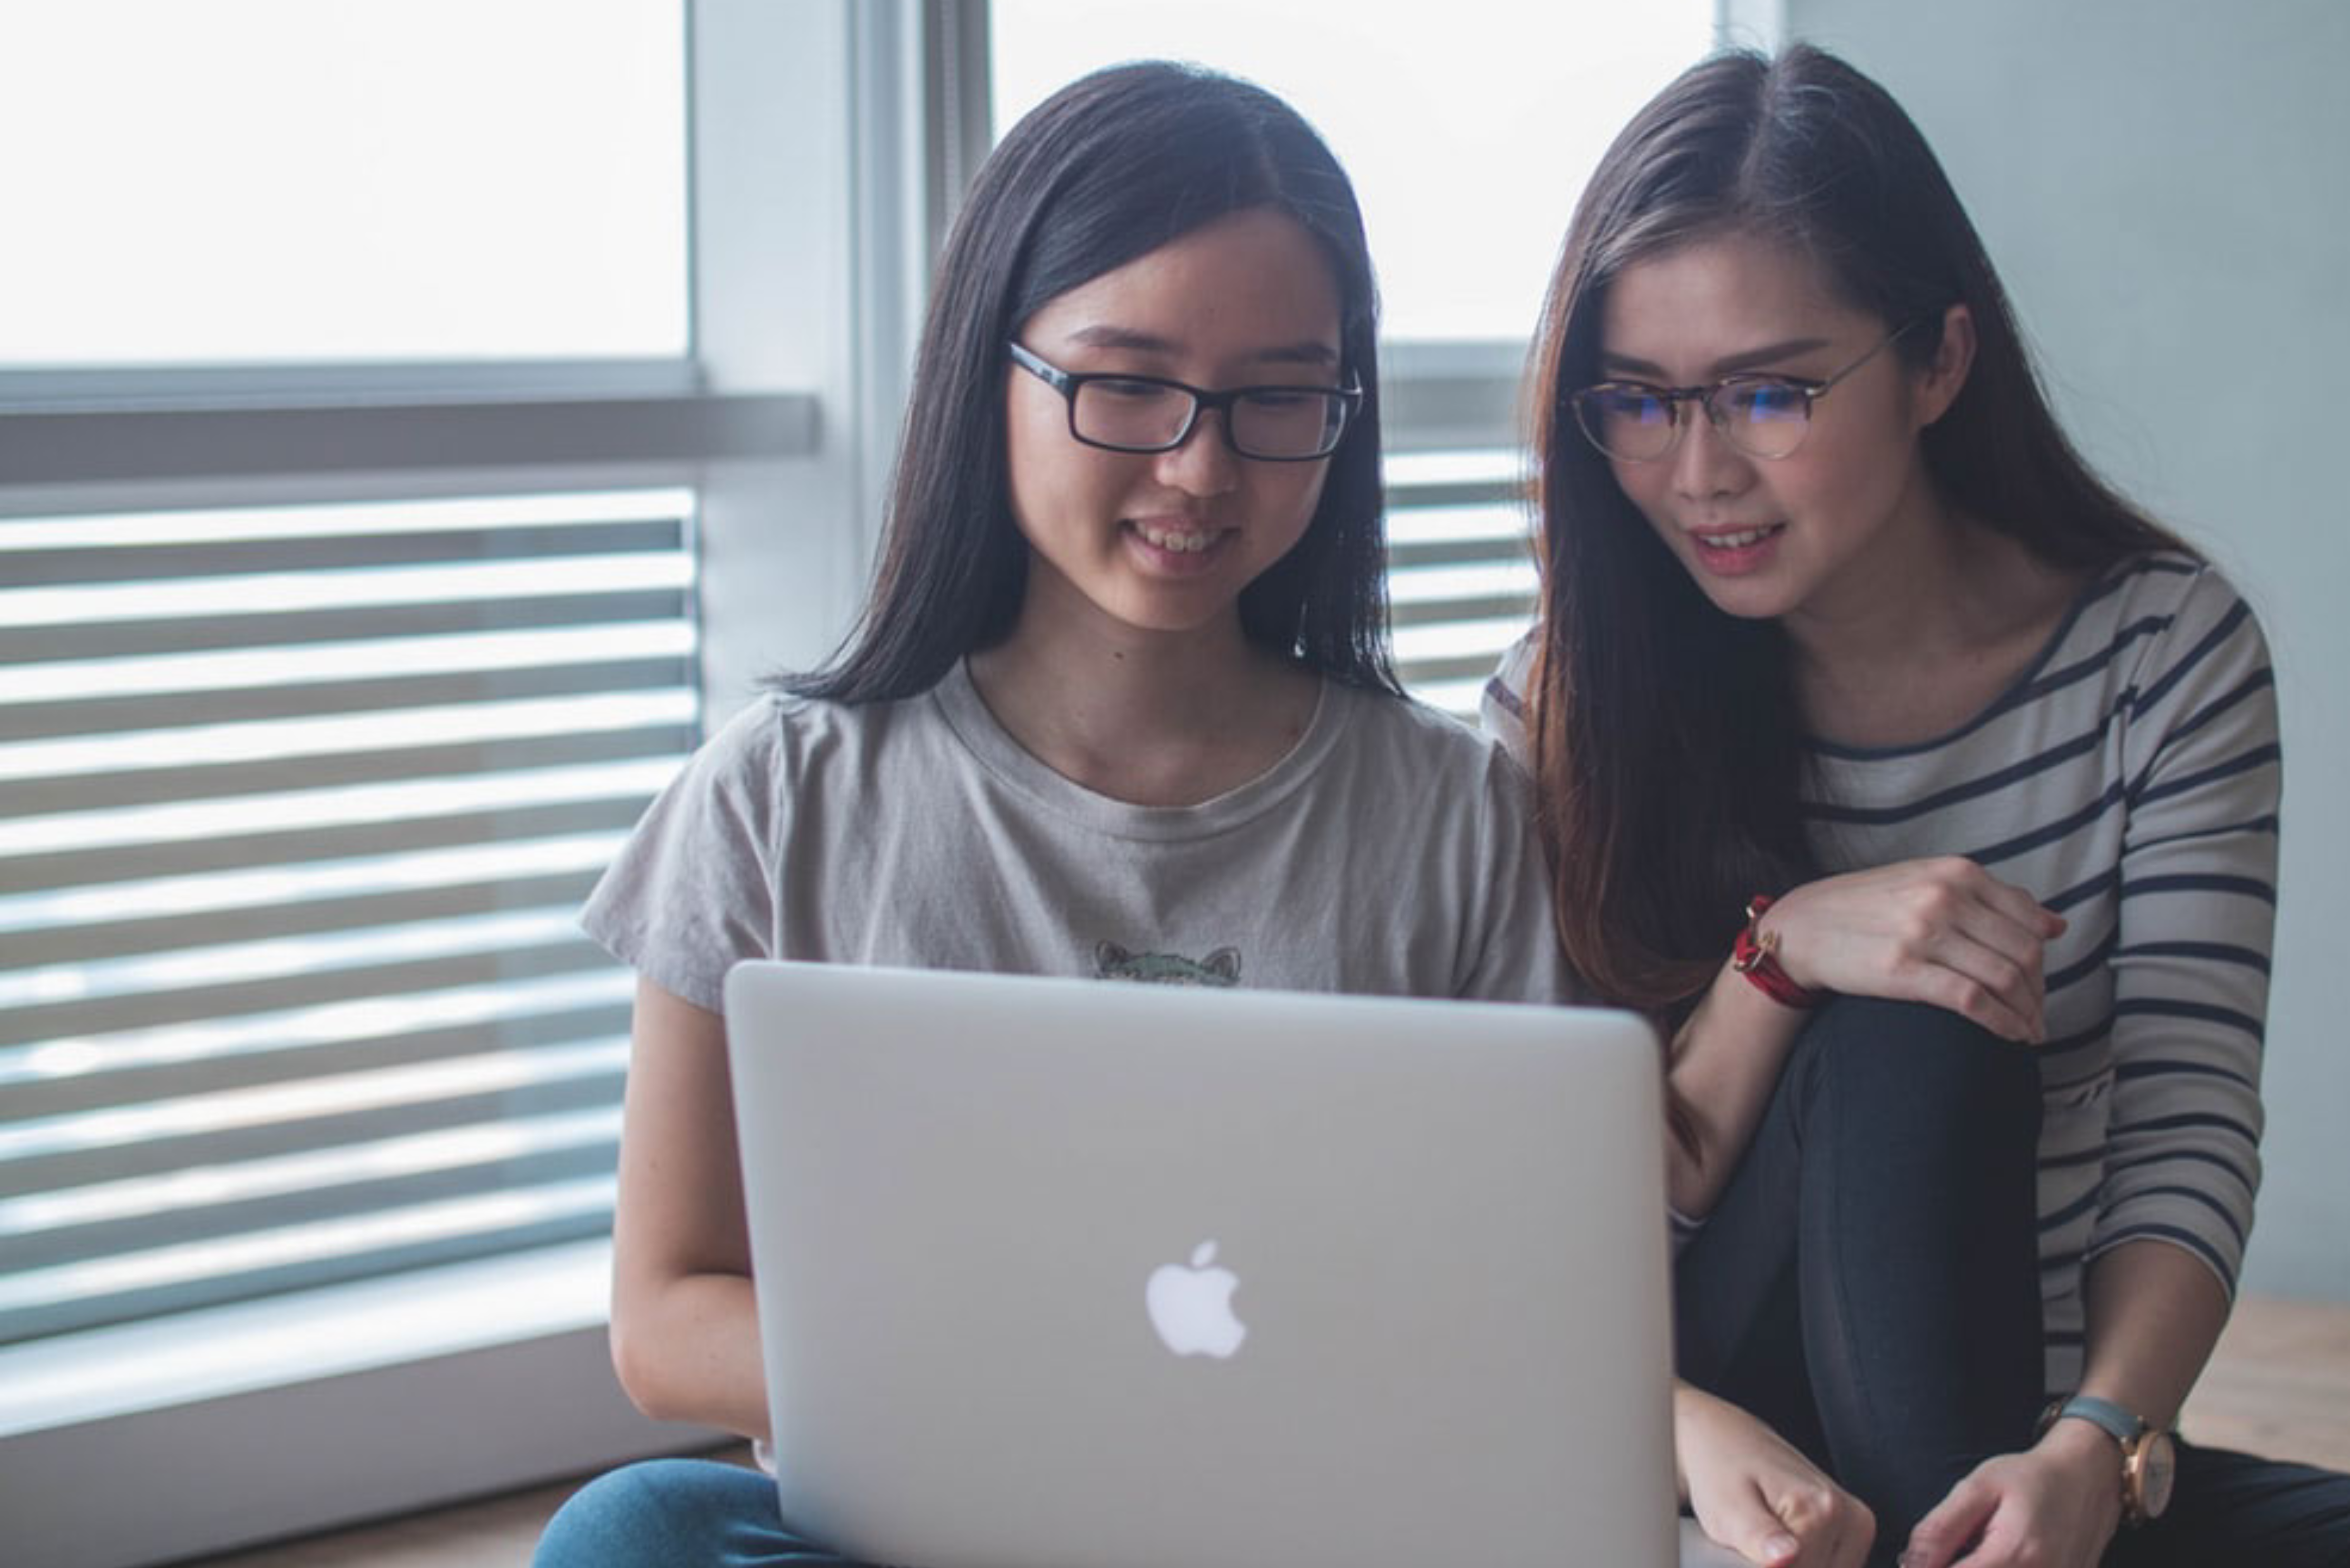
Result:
[
  {"x": 1756, "y": 1495},
  {"x": 2056, "y": 1505},
  {"x": 1943, "y": 932}
]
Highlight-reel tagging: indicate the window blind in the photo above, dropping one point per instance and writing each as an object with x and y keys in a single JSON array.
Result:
[
  {"x": 1461, "y": 579},
  {"x": 297, "y": 808}
]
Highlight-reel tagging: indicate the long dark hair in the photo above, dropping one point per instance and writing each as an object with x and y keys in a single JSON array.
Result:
[
  {"x": 1106, "y": 170},
  {"x": 1669, "y": 751}
]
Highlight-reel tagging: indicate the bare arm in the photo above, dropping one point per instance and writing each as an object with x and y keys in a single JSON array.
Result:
[
  {"x": 1723, "y": 1065},
  {"x": 1942, "y": 932},
  {"x": 685, "y": 1336}
]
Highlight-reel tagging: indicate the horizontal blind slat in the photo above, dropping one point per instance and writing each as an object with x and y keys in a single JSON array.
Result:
[
  {"x": 291, "y": 629},
  {"x": 135, "y": 858},
  {"x": 1463, "y": 581},
  {"x": 77, "y": 1071},
  {"x": 145, "y": 563},
  {"x": 296, "y": 809}
]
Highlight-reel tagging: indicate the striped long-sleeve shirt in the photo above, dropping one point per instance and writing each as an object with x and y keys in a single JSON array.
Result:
[{"x": 2130, "y": 781}]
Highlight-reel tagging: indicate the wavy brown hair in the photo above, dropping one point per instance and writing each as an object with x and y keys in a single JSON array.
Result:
[{"x": 1668, "y": 750}]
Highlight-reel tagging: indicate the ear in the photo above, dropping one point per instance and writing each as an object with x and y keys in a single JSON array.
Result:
[{"x": 1940, "y": 383}]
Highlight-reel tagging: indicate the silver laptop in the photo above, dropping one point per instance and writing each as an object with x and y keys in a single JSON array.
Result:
[{"x": 1060, "y": 1273}]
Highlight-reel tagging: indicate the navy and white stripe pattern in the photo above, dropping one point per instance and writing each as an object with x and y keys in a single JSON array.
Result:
[{"x": 2130, "y": 781}]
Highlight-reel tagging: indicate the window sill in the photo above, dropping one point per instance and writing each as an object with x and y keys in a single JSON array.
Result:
[{"x": 149, "y": 1442}]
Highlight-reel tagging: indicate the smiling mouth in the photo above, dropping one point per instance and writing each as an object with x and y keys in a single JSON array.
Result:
[
  {"x": 1180, "y": 541},
  {"x": 1739, "y": 539}
]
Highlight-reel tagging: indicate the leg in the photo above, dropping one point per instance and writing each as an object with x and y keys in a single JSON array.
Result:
[
  {"x": 1869, "y": 1284},
  {"x": 676, "y": 1513},
  {"x": 2230, "y": 1507}
]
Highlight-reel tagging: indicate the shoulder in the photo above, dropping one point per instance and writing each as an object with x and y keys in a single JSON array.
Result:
[
  {"x": 2151, "y": 600},
  {"x": 1502, "y": 707},
  {"x": 1451, "y": 777},
  {"x": 1420, "y": 739},
  {"x": 2181, "y": 629},
  {"x": 781, "y": 737}
]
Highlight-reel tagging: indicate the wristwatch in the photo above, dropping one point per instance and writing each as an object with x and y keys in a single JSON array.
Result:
[{"x": 2149, "y": 1461}]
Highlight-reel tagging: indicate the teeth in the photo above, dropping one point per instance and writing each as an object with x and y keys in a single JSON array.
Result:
[
  {"x": 1182, "y": 544},
  {"x": 1739, "y": 541}
]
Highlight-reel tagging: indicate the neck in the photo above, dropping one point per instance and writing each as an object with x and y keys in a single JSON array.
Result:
[
  {"x": 1912, "y": 596},
  {"x": 1152, "y": 718},
  {"x": 1914, "y": 642}
]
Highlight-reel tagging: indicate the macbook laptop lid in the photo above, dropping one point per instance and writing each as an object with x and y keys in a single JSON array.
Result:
[{"x": 1058, "y": 1273}]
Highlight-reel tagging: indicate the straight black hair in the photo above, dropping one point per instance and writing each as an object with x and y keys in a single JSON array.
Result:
[
  {"x": 1109, "y": 169},
  {"x": 1669, "y": 751}
]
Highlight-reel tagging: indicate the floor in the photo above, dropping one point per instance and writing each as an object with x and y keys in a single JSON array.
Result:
[{"x": 2279, "y": 1385}]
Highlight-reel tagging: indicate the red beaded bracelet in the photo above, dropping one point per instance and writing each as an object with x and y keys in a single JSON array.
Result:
[{"x": 1755, "y": 955}]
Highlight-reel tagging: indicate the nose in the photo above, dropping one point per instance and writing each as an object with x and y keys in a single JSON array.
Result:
[
  {"x": 1704, "y": 462},
  {"x": 1205, "y": 463}
]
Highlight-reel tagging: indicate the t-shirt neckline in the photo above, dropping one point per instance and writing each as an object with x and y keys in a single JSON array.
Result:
[{"x": 974, "y": 724}]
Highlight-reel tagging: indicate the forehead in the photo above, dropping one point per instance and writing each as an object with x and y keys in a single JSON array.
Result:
[
  {"x": 1715, "y": 298},
  {"x": 1246, "y": 283}
]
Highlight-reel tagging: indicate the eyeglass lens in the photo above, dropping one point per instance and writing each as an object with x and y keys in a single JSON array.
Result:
[
  {"x": 1150, "y": 416},
  {"x": 1761, "y": 417}
]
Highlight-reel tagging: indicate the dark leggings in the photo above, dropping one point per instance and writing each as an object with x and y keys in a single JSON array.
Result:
[{"x": 1869, "y": 1286}]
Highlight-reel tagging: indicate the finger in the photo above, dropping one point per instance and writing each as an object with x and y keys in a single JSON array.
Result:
[
  {"x": 1744, "y": 1522},
  {"x": 1949, "y": 1528},
  {"x": 2015, "y": 903},
  {"x": 1958, "y": 992},
  {"x": 1825, "y": 1518},
  {"x": 2015, "y": 980}
]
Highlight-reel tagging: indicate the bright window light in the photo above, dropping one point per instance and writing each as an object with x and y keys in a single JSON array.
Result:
[
  {"x": 1469, "y": 129},
  {"x": 249, "y": 182}
]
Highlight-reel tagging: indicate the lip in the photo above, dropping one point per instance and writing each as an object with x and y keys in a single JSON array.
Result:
[
  {"x": 1717, "y": 555},
  {"x": 1169, "y": 559}
]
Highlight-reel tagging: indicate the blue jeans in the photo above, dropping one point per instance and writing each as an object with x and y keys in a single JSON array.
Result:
[{"x": 675, "y": 1513}]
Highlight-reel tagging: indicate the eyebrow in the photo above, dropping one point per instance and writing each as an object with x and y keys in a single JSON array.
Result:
[
  {"x": 1305, "y": 352},
  {"x": 1729, "y": 366}
]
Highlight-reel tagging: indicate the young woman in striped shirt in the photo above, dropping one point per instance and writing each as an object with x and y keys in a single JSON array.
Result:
[{"x": 1929, "y": 790}]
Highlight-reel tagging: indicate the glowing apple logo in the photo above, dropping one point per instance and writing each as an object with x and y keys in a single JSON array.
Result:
[{"x": 1192, "y": 1308}]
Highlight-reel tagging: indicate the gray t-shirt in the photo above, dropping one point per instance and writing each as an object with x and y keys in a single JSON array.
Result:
[{"x": 1390, "y": 851}]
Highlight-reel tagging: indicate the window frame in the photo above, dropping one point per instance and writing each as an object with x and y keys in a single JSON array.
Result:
[{"x": 808, "y": 171}]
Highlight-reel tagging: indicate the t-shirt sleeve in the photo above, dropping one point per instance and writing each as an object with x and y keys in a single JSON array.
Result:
[
  {"x": 2191, "y": 960},
  {"x": 1515, "y": 954},
  {"x": 691, "y": 893},
  {"x": 1502, "y": 710}
]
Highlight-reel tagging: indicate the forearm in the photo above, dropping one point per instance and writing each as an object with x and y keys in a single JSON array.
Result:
[
  {"x": 1725, "y": 1060},
  {"x": 687, "y": 1349},
  {"x": 2154, "y": 1314}
]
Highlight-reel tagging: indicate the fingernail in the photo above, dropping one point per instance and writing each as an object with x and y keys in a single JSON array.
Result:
[{"x": 1781, "y": 1547}]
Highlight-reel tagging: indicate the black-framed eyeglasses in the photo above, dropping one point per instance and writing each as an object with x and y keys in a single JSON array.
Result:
[
  {"x": 1150, "y": 413},
  {"x": 1763, "y": 416}
]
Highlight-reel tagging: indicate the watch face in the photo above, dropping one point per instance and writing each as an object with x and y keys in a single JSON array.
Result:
[{"x": 2152, "y": 1470}]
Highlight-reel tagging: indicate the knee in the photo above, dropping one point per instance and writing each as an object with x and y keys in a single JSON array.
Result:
[
  {"x": 1915, "y": 1056},
  {"x": 655, "y": 1511}
]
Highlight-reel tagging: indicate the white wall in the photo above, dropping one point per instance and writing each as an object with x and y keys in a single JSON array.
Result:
[{"x": 2165, "y": 186}]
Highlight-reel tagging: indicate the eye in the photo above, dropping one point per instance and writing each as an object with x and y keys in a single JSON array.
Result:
[
  {"x": 1126, "y": 391},
  {"x": 1765, "y": 400},
  {"x": 1628, "y": 403}
]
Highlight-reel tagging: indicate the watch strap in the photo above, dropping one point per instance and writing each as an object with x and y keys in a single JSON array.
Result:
[{"x": 2121, "y": 1425}]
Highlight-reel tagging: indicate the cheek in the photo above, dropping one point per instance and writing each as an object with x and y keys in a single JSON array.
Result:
[
  {"x": 1038, "y": 459},
  {"x": 1646, "y": 486}
]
